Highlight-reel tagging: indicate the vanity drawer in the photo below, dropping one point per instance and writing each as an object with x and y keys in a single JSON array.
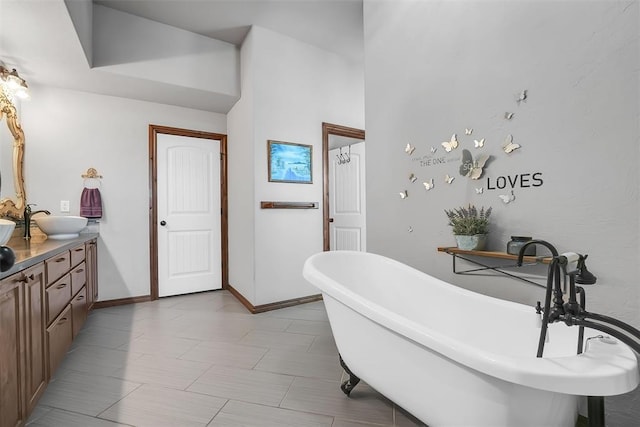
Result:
[
  {"x": 59, "y": 337},
  {"x": 77, "y": 255},
  {"x": 79, "y": 310},
  {"x": 58, "y": 296},
  {"x": 57, "y": 266},
  {"x": 78, "y": 277}
]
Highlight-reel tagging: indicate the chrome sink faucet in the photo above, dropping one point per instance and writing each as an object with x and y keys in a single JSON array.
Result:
[{"x": 26, "y": 215}]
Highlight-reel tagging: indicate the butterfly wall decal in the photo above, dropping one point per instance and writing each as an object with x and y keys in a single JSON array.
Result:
[
  {"x": 468, "y": 131},
  {"x": 507, "y": 198},
  {"x": 428, "y": 185},
  {"x": 470, "y": 167},
  {"x": 478, "y": 144},
  {"x": 479, "y": 190},
  {"x": 413, "y": 177},
  {"x": 448, "y": 179},
  {"x": 522, "y": 96},
  {"x": 409, "y": 149},
  {"x": 404, "y": 194},
  {"x": 509, "y": 146},
  {"x": 452, "y": 144},
  {"x": 508, "y": 115},
  {"x": 433, "y": 149}
]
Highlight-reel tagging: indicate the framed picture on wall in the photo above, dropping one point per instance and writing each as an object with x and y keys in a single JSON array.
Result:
[{"x": 289, "y": 162}]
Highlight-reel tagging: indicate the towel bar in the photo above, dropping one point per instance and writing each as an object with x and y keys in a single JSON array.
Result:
[{"x": 288, "y": 205}]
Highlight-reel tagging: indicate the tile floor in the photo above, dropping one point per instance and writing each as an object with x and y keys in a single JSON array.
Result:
[{"x": 203, "y": 360}]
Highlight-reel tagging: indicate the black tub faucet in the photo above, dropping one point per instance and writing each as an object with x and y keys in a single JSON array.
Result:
[{"x": 26, "y": 216}]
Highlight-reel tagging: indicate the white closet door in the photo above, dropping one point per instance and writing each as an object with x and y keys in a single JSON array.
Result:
[
  {"x": 189, "y": 215},
  {"x": 347, "y": 200}
]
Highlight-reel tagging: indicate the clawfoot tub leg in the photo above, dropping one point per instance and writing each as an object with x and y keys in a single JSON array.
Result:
[{"x": 349, "y": 384}]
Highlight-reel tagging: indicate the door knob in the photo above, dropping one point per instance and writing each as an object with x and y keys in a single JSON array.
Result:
[
  {"x": 330, "y": 219},
  {"x": 163, "y": 223}
]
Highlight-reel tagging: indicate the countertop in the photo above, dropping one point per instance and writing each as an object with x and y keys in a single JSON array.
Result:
[{"x": 32, "y": 251}]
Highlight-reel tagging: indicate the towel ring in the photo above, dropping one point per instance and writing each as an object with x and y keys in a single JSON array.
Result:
[{"x": 91, "y": 174}]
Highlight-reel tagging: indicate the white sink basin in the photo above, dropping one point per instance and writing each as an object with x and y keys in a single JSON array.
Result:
[
  {"x": 6, "y": 230},
  {"x": 60, "y": 227}
]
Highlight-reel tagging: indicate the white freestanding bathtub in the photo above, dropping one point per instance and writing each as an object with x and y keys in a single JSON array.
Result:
[{"x": 453, "y": 357}]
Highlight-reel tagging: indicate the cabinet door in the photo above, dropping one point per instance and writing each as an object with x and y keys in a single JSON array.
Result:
[
  {"x": 78, "y": 277},
  {"x": 57, "y": 266},
  {"x": 58, "y": 296},
  {"x": 12, "y": 405},
  {"x": 91, "y": 266},
  {"x": 79, "y": 310},
  {"x": 36, "y": 360},
  {"x": 77, "y": 255},
  {"x": 59, "y": 337}
]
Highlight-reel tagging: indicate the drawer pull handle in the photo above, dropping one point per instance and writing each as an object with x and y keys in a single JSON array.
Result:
[
  {"x": 61, "y": 259},
  {"x": 80, "y": 270},
  {"x": 31, "y": 276},
  {"x": 79, "y": 250},
  {"x": 80, "y": 297},
  {"x": 64, "y": 319},
  {"x": 61, "y": 286}
]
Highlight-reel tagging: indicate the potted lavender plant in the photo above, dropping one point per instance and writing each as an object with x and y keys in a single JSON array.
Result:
[{"x": 470, "y": 226}]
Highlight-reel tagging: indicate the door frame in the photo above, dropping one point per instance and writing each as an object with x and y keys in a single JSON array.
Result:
[
  {"x": 339, "y": 130},
  {"x": 154, "y": 130}
]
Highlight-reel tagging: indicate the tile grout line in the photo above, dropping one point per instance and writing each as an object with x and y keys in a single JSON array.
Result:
[
  {"x": 110, "y": 406},
  {"x": 219, "y": 411}
]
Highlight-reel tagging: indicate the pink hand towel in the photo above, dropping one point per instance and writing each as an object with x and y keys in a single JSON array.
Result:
[{"x": 91, "y": 203}]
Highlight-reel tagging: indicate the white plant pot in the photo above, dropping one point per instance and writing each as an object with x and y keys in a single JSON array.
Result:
[{"x": 471, "y": 243}]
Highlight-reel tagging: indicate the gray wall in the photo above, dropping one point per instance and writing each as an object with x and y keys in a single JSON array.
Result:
[{"x": 443, "y": 66}]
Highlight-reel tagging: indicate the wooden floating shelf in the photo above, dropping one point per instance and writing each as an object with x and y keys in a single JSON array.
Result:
[
  {"x": 289, "y": 205},
  {"x": 452, "y": 250}
]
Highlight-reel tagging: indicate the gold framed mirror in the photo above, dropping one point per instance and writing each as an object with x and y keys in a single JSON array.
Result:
[{"x": 12, "y": 205}]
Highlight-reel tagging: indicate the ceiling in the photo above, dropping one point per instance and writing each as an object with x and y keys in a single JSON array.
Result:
[
  {"x": 38, "y": 37},
  {"x": 334, "y": 25}
]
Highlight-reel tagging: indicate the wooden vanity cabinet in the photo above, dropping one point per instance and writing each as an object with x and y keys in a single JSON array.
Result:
[
  {"x": 42, "y": 308},
  {"x": 23, "y": 368}
]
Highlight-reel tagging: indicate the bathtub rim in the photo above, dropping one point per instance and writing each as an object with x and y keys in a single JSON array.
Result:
[{"x": 603, "y": 370}]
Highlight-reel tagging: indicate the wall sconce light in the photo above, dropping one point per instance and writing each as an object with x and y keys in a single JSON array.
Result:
[{"x": 12, "y": 84}]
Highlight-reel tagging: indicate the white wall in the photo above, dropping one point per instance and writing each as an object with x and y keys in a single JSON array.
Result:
[
  {"x": 241, "y": 160},
  {"x": 435, "y": 68},
  {"x": 294, "y": 88},
  {"x": 67, "y": 132}
]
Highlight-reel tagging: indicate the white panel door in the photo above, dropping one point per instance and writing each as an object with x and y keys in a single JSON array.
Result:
[
  {"x": 189, "y": 215},
  {"x": 347, "y": 200}
]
